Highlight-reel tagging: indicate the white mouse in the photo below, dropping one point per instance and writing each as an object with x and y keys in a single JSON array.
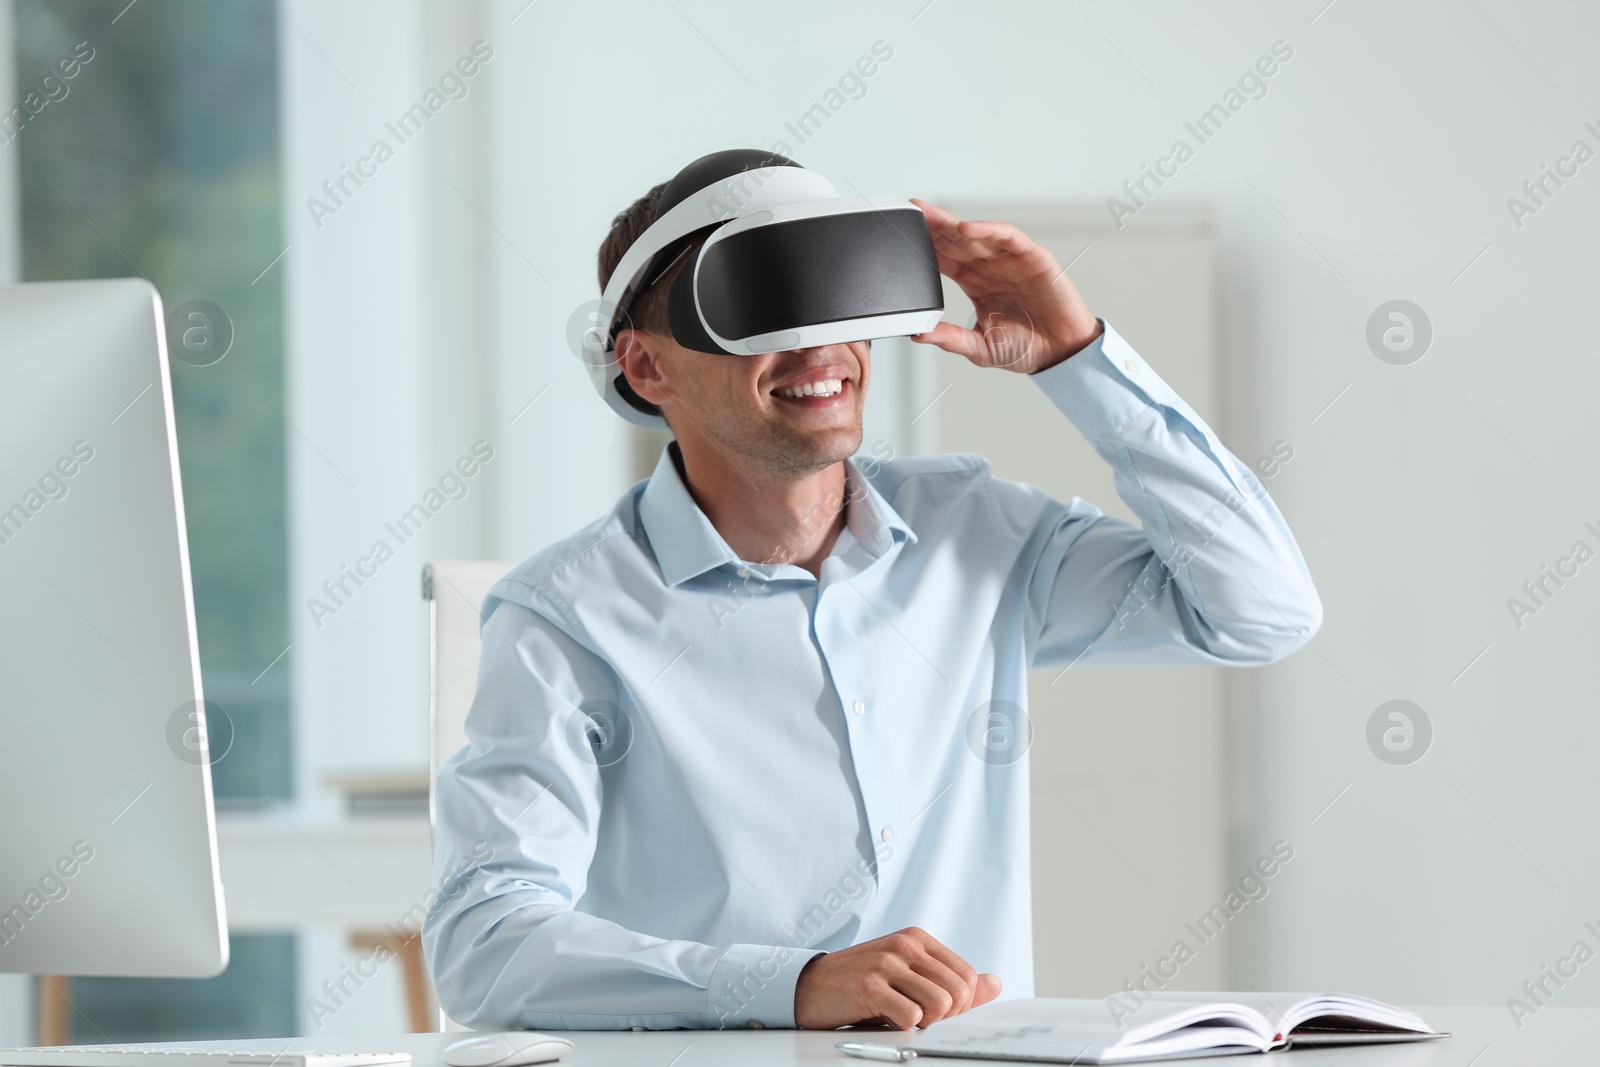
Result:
[{"x": 509, "y": 1048}]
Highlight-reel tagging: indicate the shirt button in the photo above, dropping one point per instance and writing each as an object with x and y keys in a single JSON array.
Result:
[
  {"x": 756, "y": 1024},
  {"x": 859, "y": 708},
  {"x": 1127, "y": 364},
  {"x": 887, "y": 833},
  {"x": 637, "y": 1029},
  {"x": 744, "y": 572}
]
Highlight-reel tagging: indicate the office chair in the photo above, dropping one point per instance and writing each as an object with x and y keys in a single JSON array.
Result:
[{"x": 454, "y": 590}]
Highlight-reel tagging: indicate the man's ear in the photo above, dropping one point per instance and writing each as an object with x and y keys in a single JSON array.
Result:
[{"x": 640, "y": 355}]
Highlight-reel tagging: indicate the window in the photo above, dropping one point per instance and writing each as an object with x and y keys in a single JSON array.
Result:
[
  {"x": 254, "y": 997},
  {"x": 158, "y": 155}
]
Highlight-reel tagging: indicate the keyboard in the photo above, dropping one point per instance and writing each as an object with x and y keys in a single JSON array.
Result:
[{"x": 188, "y": 1056}]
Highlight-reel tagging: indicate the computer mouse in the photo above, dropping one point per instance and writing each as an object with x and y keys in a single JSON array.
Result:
[{"x": 506, "y": 1048}]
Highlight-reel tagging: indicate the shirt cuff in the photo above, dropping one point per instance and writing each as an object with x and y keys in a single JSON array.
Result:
[
  {"x": 1103, "y": 386},
  {"x": 753, "y": 985}
]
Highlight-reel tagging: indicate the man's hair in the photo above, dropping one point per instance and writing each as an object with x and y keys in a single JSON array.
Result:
[{"x": 648, "y": 312}]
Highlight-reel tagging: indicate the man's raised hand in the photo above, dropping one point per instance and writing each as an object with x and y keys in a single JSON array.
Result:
[
  {"x": 904, "y": 979},
  {"x": 1030, "y": 315}
]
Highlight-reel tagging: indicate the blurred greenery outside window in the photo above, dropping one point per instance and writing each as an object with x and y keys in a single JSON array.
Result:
[{"x": 159, "y": 156}]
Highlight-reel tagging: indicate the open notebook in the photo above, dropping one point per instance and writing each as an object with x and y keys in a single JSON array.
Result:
[{"x": 1166, "y": 1026}]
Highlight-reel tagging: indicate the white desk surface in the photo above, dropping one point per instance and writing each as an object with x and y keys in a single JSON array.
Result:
[{"x": 1483, "y": 1037}]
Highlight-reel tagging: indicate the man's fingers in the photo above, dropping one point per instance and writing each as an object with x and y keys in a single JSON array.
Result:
[
  {"x": 992, "y": 238},
  {"x": 937, "y": 217},
  {"x": 976, "y": 243},
  {"x": 896, "y": 1008},
  {"x": 988, "y": 989},
  {"x": 981, "y": 239},
  {"x": 955, "y": 985},
  {"x": 975, "y": 238},
  {"x": 1003, "y": 345},
  {"x": 959, "y": 975},
  {"x": 996, "y": 251},
  {"x": 933, "y": 1000},
  {"x": 981, "y": 256},
  {"x": 951, "y": 235},
  {"x": 947, "y": 956},
  {"x": 953, "y": 338}
]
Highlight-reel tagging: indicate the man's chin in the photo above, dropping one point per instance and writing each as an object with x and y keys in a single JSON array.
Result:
[{"x": 816, "y": 451}]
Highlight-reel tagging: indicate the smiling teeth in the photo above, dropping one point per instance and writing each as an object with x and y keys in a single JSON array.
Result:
[{"x": 830, "y": 387}]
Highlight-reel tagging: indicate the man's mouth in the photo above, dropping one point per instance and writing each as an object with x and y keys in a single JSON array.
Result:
[
  {"x": 831, "y": 387},
  {"x": 818, "y": 388}
]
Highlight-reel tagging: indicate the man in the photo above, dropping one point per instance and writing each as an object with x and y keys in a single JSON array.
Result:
[{"x": 721, "y": 768}]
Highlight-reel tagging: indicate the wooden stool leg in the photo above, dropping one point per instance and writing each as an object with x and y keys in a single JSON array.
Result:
[
  {"x": 55, "y": 1010},
  {"x": 413, "y": 970},
  {"x": 417, "y": 1005}
]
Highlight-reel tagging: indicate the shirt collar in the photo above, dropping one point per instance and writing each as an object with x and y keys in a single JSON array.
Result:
[
  {"x": 686, "y": 544},
  {"x": 683, "y": 539},
  {"x": 872, "y": 520}
]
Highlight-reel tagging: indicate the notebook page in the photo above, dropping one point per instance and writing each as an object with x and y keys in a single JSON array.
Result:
[
  {"x": 1288, "y": 1010},
  {"x": 1064, "y": 1029}
]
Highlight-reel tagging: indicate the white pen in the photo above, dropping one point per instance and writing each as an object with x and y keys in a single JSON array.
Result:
[{"x": 868, "y": 1051}]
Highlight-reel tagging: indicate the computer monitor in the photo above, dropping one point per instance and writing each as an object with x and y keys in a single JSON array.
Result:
[{"x": 108, "y": 843}]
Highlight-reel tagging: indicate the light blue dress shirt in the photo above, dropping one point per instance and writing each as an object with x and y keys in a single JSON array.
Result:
[{"x": 688, "y": 774}]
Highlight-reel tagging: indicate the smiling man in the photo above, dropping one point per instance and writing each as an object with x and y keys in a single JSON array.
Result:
[{"x": 731, "y": 753}]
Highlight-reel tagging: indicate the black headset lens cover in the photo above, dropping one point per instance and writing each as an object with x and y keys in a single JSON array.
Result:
[{"x": 806, "y": 272}]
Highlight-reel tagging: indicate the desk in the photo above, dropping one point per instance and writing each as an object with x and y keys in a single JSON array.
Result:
[{"x": 1556, "y": 1037}]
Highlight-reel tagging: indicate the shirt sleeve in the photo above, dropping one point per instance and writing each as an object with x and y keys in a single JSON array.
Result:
[
  {"x": 517, "y": 813},
  {"x": 1212, "y": 574}
]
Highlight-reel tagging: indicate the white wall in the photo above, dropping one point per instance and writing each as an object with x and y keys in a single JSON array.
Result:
[{"x": 1376, "y": 167}]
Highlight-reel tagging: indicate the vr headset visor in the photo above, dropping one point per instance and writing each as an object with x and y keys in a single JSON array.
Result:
[{"x": 818, "y": 273}]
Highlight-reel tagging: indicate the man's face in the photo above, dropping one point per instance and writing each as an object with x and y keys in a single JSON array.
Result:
[{"x": 786, "y": 414}]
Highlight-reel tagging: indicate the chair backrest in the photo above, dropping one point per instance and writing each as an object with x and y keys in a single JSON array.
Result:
[{"x": 454, "y": 590}]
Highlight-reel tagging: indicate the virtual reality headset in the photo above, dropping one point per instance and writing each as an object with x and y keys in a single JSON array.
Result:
[{"x": 785, "y": 263}]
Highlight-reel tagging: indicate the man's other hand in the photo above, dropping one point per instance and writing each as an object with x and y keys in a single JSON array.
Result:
[{"x": 904, "y": 979}]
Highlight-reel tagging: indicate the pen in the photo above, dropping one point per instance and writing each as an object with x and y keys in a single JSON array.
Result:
[{"x": 869, "y": 1051}]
